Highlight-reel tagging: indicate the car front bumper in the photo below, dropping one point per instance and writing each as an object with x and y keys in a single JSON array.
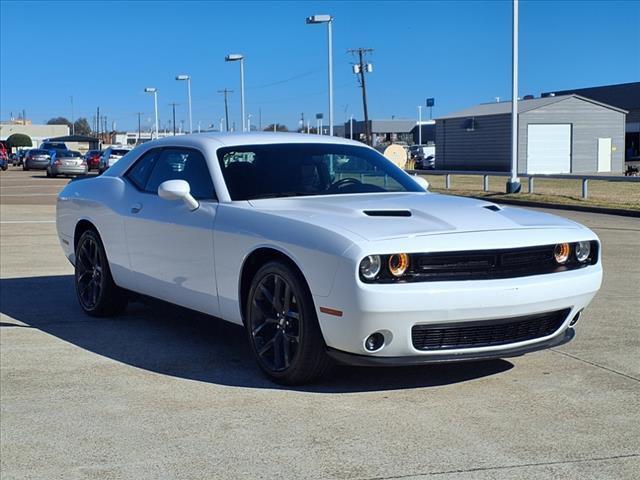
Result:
[
  {"x": 69, "y": 169},
  {"x": 394, "y": 309}
]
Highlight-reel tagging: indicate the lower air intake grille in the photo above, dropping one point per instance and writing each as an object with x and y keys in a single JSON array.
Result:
[{"x": 487, "y": 332}]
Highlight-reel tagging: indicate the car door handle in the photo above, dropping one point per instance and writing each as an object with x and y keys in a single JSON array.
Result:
[{"x": 136, "y": 207}]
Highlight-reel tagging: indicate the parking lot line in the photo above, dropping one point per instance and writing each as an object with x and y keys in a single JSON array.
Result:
[
  {"x": 28, "y": 195},
  {"x": 27, "y": 221}
]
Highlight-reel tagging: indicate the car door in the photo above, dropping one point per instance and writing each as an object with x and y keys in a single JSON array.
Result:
[{"x": 171, "y": 247}]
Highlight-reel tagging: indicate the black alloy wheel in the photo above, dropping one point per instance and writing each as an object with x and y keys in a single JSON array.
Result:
[
  {"x": 97, "y": 293},
  {"x": 282, "y": 326},
  {"x": 275, "y": 322}
]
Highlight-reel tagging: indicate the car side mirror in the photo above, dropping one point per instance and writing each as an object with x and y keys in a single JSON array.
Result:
[
  {"x": 421, "y": 181},
  {"x": 178, "y": 190}
]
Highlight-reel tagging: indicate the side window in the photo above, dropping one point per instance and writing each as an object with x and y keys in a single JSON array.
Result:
[
  {"x": 182, "y": 164},
  {"x": 139, "y": 173}
]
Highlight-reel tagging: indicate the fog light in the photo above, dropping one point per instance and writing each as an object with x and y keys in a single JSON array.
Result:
[
  {"x": 374, "y": 342},
  {"x": 398, "y": 264},
  {"x": 583, "y": 250},
  {"x": 370, "y": 267},
  {"x": 562, "y": 252}
]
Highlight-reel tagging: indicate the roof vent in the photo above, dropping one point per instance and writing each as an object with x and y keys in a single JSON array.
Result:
[
  {"x": 387, "y": 213},
  {"x": 528, "y": 97}
]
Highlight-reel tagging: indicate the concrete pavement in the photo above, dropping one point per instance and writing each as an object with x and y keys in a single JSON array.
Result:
[{"x": 165, "y": 393}]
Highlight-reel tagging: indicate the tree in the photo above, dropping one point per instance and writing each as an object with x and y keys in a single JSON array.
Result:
[
  {"x": 278, "y": 127},
  {"x": 81, "y": 127},
  {"x": 59, "y": 121},
  {"x": 19, "y": 140}
]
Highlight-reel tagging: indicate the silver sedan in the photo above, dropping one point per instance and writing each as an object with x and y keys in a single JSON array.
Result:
[{"x": 66, "y": 162}]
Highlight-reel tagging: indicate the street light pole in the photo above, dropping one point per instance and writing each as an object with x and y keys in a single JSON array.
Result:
[
  {"x": 155, "y": 104},
  {"x": 188, "y": 79},
  {"x": 328, "y": 19},
  {"x": 351, "y": 127},
  {"x": 419, "y": 124},
  {"x": 235, "y": 57},
  {"x": 513, "y": 185},
  {"x": 73, "y": 123}
]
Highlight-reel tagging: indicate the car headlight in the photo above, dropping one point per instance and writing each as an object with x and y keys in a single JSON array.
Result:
[
  {"x": 561, "y": 253},
  {"x": 370, "y": 267},
  {"x": 398, "y": 264},
  {"x": 582, "y": 250}
]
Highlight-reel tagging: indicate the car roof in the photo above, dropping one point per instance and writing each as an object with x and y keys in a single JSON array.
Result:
[{"x": 252, "y": 138}]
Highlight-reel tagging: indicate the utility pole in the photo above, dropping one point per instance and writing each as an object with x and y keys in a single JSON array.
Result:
[
  {"x": 139, "y": 126},
  {"x": 226, "y": 92},
  {"x": 173, "y": 107},
  {"x": 98, "y": 123},
  {"x": 360, "y": 69}
]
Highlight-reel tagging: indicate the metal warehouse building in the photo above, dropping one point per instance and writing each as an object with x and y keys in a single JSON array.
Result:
[{"x": 556, "y": 134}]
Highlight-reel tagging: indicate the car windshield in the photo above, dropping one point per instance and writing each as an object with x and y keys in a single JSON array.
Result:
[
  {"x": 119, "y": 153},
  {"x": 300, "y": 169},
  {"x": 39, "y": 152}
]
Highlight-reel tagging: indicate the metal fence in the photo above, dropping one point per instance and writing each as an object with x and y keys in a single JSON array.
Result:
[{"x": 530, "y": 178}]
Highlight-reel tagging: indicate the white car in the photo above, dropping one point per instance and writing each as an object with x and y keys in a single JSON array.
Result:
[
  {"x": 323, "y": 249},
  {"x": 110, "y": 156}
]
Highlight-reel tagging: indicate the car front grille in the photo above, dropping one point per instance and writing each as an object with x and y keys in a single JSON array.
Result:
[{"x": 486, "y": 333}]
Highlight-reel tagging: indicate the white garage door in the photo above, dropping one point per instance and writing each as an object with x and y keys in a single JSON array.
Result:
[{"x": 549, "y": 148}]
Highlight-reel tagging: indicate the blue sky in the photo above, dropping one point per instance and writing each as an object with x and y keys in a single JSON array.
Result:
[{"x": 105, "y": 53}]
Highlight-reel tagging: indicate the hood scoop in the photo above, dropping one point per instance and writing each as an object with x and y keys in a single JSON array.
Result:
[
  {"x": 387, "y": 213},
  {"x": 493, "y": 208}
]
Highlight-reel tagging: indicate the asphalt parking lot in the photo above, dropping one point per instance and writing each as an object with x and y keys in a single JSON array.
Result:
[{"x": 164, "y": 393}]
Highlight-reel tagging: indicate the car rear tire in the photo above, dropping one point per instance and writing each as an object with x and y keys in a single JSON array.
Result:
[
  {"x": 97, "y": 293},
  {"x": 282, "y": 326}
]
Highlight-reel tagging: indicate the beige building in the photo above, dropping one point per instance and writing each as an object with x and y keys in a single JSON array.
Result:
[{"x": 38, "y": 133}]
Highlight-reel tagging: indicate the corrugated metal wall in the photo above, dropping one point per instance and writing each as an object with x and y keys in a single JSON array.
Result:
[
  {"x": 487, "y": 147},
  {"x": 590, "y": 122}
]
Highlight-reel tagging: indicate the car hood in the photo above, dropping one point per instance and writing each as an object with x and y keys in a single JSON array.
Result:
[{"x": 397, "y": 215}]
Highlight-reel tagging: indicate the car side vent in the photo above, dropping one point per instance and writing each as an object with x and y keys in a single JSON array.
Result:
[
  {"x": 387, "y": 213},
  {"x": 493, "y": 208}
]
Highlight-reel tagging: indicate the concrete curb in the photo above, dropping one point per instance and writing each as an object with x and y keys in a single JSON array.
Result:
[{"x": 558, "y": 206}]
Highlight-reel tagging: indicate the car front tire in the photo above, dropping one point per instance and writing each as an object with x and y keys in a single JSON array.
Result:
[
  {"x": 97, "y": 293},
  {"x": 282, "y": 326}
]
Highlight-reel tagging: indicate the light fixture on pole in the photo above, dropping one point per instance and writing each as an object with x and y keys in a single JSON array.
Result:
[
  {"x": 155, "y": 103},
  {"x": 419, "y": 124},
  {"x": 188, "y": 79},
  {"x": 328, "y": 19},
  {"x": 236, "y": 57}
]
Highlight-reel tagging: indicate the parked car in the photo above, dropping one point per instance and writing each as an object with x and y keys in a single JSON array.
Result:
[
  {"x": 4, "y": 161},
  {"x": 423, "y": 156},
  {"x": 110, "y": 156},
  {"x": 21, "y": 155},
  {"x": 66, "y": 162},
  {"x": 322, "y": 248},
  {"x": 37, "y": 159},
  {"x": 53, "y": 146},
  {"x": 92, "y": 157}
]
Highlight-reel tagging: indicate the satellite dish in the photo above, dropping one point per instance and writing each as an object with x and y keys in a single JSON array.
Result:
[{"x": 397, "y": 154}]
